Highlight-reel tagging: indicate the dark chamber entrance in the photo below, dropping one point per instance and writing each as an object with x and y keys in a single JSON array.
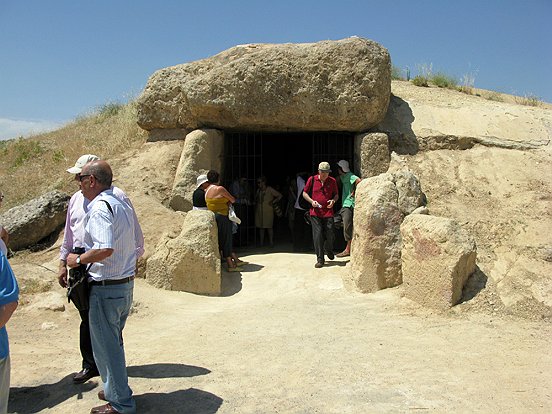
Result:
[{"x": 279, "y": 157}]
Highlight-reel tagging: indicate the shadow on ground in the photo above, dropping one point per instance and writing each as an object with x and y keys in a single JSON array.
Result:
[
  {"x": 475, "y": 284},
  {"x": 166, "y": 370},
  {"x": 190, "y": 401},
  {"x": 26, "y": 400},
  {"x": 338, "y": 263}
]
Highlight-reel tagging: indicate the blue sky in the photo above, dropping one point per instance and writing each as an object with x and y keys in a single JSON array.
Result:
[{"x": 62, "y": 58}]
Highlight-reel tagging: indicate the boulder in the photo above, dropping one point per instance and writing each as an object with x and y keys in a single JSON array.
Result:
[
  {"x": 410, "y": 192},
  {"x": 381, "y": 203},
  {"x": 339, "y": 85},
  {"x": 372, "y": 155},
  {"x": 376, "y": 244},
  {"x": 438, "y": 256},
  {"x": 35, "y": 220},
  {"x": 202, "y": 152},
  {"x": 191, "y": 261}
]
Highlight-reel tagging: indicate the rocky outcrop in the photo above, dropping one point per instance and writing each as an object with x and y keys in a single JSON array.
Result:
[
  {"x": 202, "y": 152},
  {"x": 438, "y": 256},
  {"x": 425, "y": 119},
  {"x": 339, "y": 85},
  {"x": 381, "y": 204},
  {"x": 34, "y": 221},
  {"x": 411, "y": 196},
  {"x": 189, "y": 262}
]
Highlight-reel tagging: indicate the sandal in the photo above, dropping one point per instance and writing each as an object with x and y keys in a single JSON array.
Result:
[
  {"x": 241, "y": 262},
  {"x": 234, "y": 269}
]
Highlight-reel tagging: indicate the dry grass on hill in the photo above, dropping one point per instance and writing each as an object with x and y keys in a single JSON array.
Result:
[{"x": 33, "y": 166}]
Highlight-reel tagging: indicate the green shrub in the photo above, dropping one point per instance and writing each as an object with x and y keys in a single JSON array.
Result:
[
  {"x": 443, "y": 81},
  {"x": 420, "y": 81},
  {"x": 25, "y": 149},
  {"x": 109, "y": 109},
  {"x": 58, "y": 156}
]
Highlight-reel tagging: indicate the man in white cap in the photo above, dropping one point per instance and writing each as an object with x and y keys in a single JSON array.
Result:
[
  {"x": 110, "y": 255},
  {"x": 323, "y": 195},
  {"x": 349, "y": 181},
  {"x": 73, "y": 241}
]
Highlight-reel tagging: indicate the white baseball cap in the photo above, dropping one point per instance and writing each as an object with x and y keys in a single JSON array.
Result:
[
  {"x": 201, "y": 179},
  {"x": 81, "y": 162},
  {"x": 344, "y": 164}
]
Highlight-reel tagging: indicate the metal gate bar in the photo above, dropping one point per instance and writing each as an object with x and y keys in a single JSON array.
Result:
[{"x": 243, "y": 157}]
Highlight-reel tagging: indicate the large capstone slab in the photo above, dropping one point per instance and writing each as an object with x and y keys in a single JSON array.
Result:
[{"x": 342, "y": 85}]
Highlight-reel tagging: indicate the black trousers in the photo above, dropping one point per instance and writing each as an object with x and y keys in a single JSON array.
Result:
[
  {"x": 224, "y": 226},
  {"x": 86, "y": 343},
  {"x": 322, "y": 236}
]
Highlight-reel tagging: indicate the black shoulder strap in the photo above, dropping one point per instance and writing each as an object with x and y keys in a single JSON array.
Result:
[{"x": 108, "y": 206}]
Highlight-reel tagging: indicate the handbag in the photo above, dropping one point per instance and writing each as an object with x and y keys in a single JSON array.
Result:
[
  {"x": 304, "y": 204},
  {"x": 277, "y": 209},
  {"x": 232, "y": 215},
  {"x": 78, "y": 290}
]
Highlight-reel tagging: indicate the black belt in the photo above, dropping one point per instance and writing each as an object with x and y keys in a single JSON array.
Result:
[{"x": 112, "y": 281}]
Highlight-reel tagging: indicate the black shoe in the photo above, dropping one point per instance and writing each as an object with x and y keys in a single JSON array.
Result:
[
  {"x": 330, "y": 255},
  {"x": 84, "y": 375},
  {"x": 318, "y": 265}
]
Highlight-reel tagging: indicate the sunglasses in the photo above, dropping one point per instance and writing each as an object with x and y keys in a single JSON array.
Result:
[{"x": 81, "y": 177}]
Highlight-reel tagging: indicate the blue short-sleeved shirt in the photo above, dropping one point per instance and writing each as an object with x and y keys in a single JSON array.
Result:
[{"x": 9, "y": 292}]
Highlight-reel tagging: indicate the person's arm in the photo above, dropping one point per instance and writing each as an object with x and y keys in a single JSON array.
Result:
[
  {"x": 65, "y": 248},
  {"x": 306, "y": 196},
  {"x": 276, "y": 194},
  {"x": 6, "y": 311},
  {"x": 334, "y": 199},
  {"x": 91, "y": 256},
  {"x": 100, "y": 230},
  {"x": 355, "y": 183},
  {"x": 224, "y": 192},
  {"x": 4, "y": 235}
]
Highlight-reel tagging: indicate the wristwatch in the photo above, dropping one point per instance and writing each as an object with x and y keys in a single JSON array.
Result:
[{"x": 78, "y": 260}]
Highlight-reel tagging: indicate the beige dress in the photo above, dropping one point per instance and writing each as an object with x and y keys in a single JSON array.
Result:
[{"x": 264, "y": 212}]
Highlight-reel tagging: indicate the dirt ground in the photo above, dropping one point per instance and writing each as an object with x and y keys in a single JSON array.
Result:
[{"x": 288, "y": 338}]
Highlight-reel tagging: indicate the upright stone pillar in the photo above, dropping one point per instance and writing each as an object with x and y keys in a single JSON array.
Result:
[
  {"x": 372, "y": 154},
  {"x": 203, "y": 151}
]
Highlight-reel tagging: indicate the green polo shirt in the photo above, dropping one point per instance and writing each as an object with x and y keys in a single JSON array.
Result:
[{"x": 348, "y": 180}]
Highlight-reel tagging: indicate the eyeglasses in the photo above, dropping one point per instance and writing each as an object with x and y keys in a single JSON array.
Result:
[{"x": 81, "y": 177}]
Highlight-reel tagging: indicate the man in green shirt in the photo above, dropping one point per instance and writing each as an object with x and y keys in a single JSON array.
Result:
[{"x": 349, "y": 181}]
